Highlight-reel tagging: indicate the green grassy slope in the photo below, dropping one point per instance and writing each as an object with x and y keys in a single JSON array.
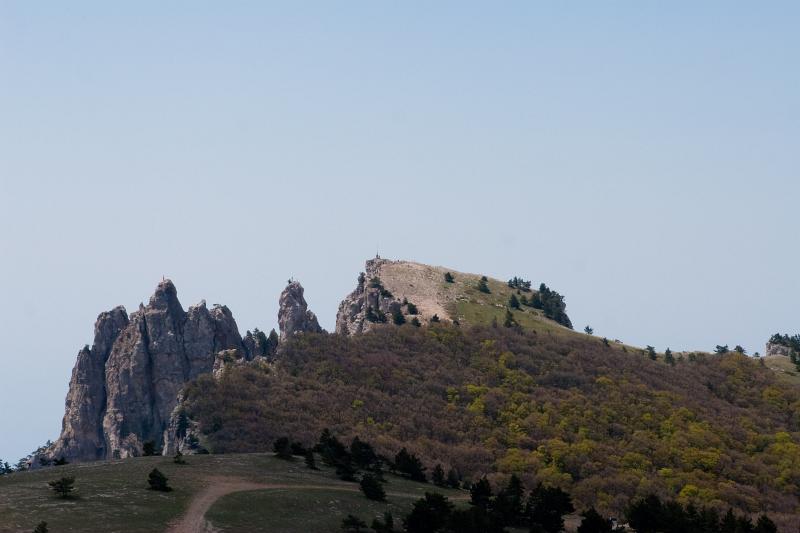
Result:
[
  {"x": 113, "y": 497},
  {"x": 460, "y": 300}
]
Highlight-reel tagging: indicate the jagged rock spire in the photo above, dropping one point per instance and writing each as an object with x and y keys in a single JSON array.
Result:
[
  {"x": 124, "y": 389},
  {"x": 293, "y": 314}
]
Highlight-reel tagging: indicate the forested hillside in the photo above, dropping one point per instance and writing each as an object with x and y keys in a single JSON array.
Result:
[{"x": 601, "y": 420}]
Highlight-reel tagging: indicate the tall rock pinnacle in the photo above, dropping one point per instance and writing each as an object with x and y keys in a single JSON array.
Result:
[
  {"x": 293, "y": 314},
  {"x": 124, "y": 389}
]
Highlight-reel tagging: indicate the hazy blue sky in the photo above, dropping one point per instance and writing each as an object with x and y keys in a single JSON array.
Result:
[{"x": 639, "y": 157}]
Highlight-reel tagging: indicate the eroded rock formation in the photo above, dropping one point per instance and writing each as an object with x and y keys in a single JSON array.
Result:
[
  {"x": 293, "y": 314},
  {"x": 368, "y": 304},
  {"x": 125, "y": 388}
]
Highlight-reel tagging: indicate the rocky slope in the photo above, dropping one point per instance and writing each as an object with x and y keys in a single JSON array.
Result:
[{"x": 125, "y": 388}]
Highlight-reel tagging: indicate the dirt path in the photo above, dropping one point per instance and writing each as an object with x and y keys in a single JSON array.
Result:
[{"x": 194, "y": 520}]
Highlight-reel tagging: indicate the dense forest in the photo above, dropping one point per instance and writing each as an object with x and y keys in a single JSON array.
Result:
[{"x": 607, "y": 423}]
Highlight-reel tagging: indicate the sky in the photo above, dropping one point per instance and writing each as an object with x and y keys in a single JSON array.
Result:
[{"x": 641, "y": 158}]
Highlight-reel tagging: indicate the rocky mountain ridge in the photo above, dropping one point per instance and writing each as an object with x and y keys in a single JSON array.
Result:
[{"x": 125, "y": 388}]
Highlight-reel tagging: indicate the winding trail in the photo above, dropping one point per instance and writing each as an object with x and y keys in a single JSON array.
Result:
[{"x": 194, "y": 520}]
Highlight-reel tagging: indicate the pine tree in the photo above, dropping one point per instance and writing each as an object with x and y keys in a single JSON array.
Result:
[
  {"x": 481, "y": 493},
  {"x": 178, "y": 459},
  {"x": 513, "y": 302},
  {"x": 282, "y": 448},
  {"x": 668, "y": 357},
  {"x": 415, "y": 322},
  {"x": 765, "y": 525},
  {"x": 310, "y": 462},
  {"x": 158, "y": 481},
  {"x": 593, "y": 522},
  {"x": 63, "y": 487},
  {"x": 453, "y": 479},
  {"x": 483, "y": 285},
  {"x": 353, "y": 524},
  {"x": 509, "y": 321},
  {"x": 437, "y": 476},
  {"x": 448, "y": 277},
  {"x": 372, "y": 488},
  {"x": 588, "y": 330},
  {"x": 651, "y": 352},
  {"x": 397, "y": 317}
]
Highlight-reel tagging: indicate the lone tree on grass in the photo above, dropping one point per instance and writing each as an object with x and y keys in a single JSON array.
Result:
[
  {"x": 372, "y": 488},
  {"x": 178, "y": 459},
  {"x": 448, "y": 277},
  {"x": 63, "y": 487},
  {"x": 513, "y": 302},
  {"x": 158, "y": 481},
  {"x": 588, "y": 330},
  {"x": 483, "y": 285}
]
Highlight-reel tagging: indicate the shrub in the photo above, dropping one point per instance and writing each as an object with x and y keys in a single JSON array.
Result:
[
  {"x": 397, "y": 317},
  {"x": 282, "y": 448},
  {"x": 372, "y": 488},
  {"x": 149, "y": 448},
  {"x": 448, "y": 277},
  {"x": 63, "y": 487},
  {"x": 483, "y": 285},
  {"x": 158, "y": 481},
  {"x": 353, "y": 524},
  {"x": 412, "y": 309},
  {"x": 41, "y": 527}
]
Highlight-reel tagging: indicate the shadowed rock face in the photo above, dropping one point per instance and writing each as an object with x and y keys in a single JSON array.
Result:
[
  {"x": 124, "y": 389},
  {"x": 293, "y": 314}
]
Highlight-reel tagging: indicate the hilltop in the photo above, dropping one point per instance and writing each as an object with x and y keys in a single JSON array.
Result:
[
  {"x": 388, "y": 287},
  {"x": 483, "y": 376}
]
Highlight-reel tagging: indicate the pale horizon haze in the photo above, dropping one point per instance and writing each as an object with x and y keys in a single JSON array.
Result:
[{"x": 640, "y": 158}]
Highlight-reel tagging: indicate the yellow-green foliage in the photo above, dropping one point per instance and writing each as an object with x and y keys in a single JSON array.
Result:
[{"x": 604, "y": 424}]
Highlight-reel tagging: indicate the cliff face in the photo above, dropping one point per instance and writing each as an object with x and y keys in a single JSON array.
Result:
[
  {"x": 358, "y": 311},
  {"x": 81, "y": 434},
  {"x": 124, "y": 389}
]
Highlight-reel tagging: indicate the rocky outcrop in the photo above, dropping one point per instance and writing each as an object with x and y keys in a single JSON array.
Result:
[
  {"x": 293, "y": 314},
  {"x": 125, "y": 388},
  {"x": 777, "y": 349},
  {"x": 369, "y": 304},
  {"x": 81, "y": 432}
]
